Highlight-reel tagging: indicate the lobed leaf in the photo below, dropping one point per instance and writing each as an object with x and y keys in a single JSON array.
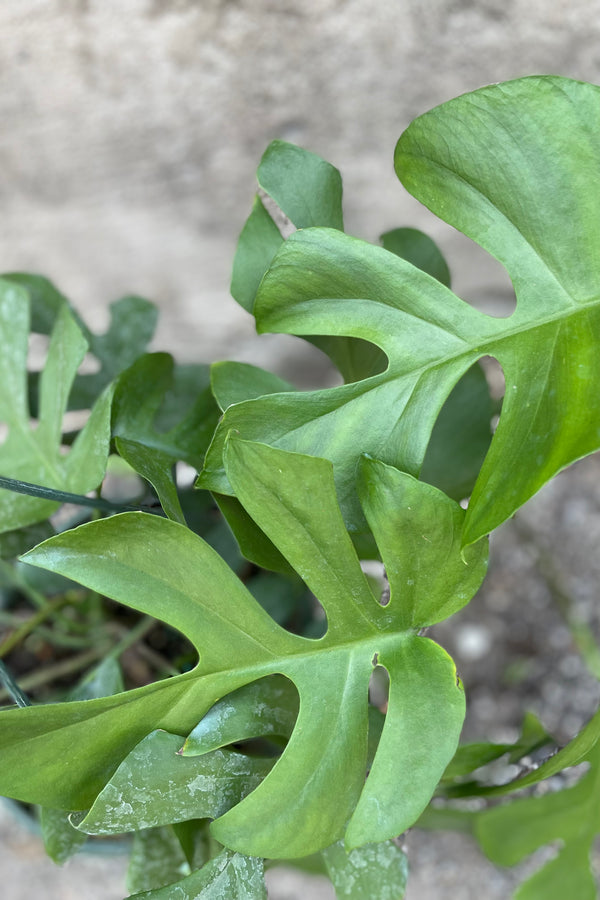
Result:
[
  {"x": 317, "y": 785},
  {"x": 510, "y": 165},
  {"x": 32, "y": 452},
  {"x": 306, "y": 189},
  {"x": 131, "y": 327}
]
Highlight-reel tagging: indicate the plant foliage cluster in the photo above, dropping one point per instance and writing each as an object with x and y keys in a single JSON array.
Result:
[{"x": 264, "y": 743}]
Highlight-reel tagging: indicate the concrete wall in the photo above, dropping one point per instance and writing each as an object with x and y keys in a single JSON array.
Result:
[{"x": 131, "y": 130}]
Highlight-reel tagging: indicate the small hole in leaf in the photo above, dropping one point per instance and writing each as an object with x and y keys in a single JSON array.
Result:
[
  {"x": 4, "y": 429},
  {"x": 379, "y": 687},
  {"x": 90, "y": 364},
  {"x": 494, "y": 376},
  {"x": 480, "y": 279},
  {"x": 37, "y": 351},
  {"x": 375, "y": 572}
]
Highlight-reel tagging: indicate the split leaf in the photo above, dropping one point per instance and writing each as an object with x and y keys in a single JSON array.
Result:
[
  {"x": 317, "y": 786},
  {"x": 32, "y": 452},
  {"x": 496, "y": 165}
]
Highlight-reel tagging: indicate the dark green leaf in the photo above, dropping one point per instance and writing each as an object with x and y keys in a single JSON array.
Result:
[
  {"x": 156, "y": 859},
  {"x": 416, "y": 247},
  {"x": 153, "y": 393},
  {"x": 257, "y": 245},
  {"x": 233, "y": 382},
  {"x": 461, "y": 437}
]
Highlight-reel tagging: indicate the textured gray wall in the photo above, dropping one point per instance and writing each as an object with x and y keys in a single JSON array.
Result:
[{"x": 131, "y": 131}]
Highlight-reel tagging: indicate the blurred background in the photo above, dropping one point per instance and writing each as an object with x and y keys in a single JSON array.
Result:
[{"x": 131, "y": 132}]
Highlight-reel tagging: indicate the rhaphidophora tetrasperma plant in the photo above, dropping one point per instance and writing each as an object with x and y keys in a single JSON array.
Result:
[{"x": 260, "y": 749}]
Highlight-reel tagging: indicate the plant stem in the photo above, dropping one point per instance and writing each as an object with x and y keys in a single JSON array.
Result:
[{"x": 12, "y": 689}]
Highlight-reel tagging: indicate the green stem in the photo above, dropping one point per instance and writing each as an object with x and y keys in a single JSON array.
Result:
[
  {"x": 12, "y": 689},
  {"x": 56, "y": 496}
]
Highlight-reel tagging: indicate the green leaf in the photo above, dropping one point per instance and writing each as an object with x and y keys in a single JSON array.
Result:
[
  {"x": 156, "y": 860},
  {"x": 61, "y": 838},
  {"x": 356, "y": 358},
  {"x": 153, "y": 393},
  {"x": 269, "y": 706},
  {"x": 160, "y": 568},
  {"x": 13, "y": 543},
  {"x": 470, "y": 757},
  {"x": 461, "y": 437},
  {"x": 132, "y": 325},
  {"x": 233, "y": 382},
  {"x": 496, "y": 165},
  {"x": 229, "y": 876},
  {"x": 257, "y": 245},
  {"x": 573, "y": 753},
  {"x": 418, "y": 531},
  {"x": 416, "y": 247},
  {"x": 155, "y": 785},
  {"x": 509, "y": 833},
  {"x": 375, "y": 870},
  {"x": 34, "y": 454},
  {"x": 307, "y": 190}
]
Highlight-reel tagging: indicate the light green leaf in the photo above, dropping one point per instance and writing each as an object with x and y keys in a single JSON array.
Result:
[
  {"x": 61, "y": 839},
  {"x": 33, "y": 453},
  {"x": 307, "y": 190},
  {"x": 268, "y": 706},
  {"x": 132, "y": 324},
  {"x": 418, "y": 531},
  {"x": 162, "y": 569},
  {"x": 229, "y": 876},
  {"x": 496, "y": 164},
  {"x": 155, "y": 785},
  {"x": 375, "y": 870}
]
